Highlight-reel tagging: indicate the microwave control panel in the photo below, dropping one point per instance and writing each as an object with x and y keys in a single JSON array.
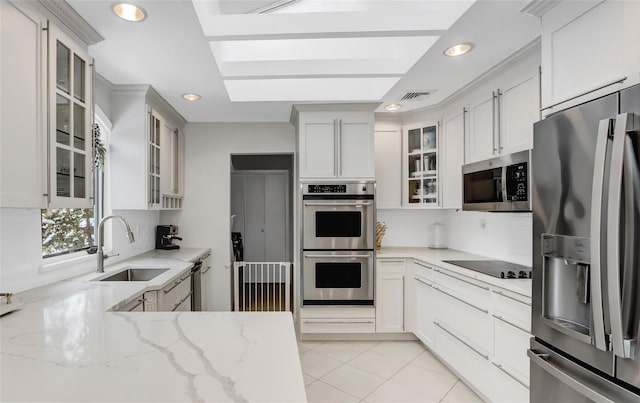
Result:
[{"x": 517, "y": 186}]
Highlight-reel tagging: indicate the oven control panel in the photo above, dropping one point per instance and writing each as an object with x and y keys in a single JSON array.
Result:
[
  {"x": 517, "y": 178},
  {"x": 344, "y": 188}
]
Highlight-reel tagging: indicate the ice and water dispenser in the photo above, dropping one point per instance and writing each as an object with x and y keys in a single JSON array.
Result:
[{"x": 566, "y": 292}]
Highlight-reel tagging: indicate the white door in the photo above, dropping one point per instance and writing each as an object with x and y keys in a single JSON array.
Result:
[
  {"x": 390, "y": 302},
  {"x": 388, "y": 159},
  {"x": 453, "y": 156},
  {"x": 480, "y": 139},
  {"x": 356, "y": 149},
  {"x": 317, "y": 149},
  {"x": 424, "y": 311},
  {"x": 254, "y": 222},
  {"x": 520, "y": 109}
]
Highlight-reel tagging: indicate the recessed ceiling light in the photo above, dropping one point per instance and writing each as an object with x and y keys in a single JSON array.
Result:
[
  {"x": 191, "y": 97},
  {"x": 129, "y": 12},
  {"x": 392, "y": 107},
  {"x": 460, "y": 49}
]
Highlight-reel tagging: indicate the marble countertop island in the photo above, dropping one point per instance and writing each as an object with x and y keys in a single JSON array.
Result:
[{"x": 64, "y": 345}]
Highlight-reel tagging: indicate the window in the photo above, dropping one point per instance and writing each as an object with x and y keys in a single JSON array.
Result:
[
  {"x": 67, "y": 230},
  {"x": 70, "y": 230}
]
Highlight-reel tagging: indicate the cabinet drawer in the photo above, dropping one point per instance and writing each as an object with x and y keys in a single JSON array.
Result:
[
  {"x": 473, "y": 367},
  {"x": 470, "y": 323},
  {"x": 136, "y": 305},
  {"x": 390, "y": 266},
  {"x": 173, "y": 293},
  {"x": 339, "y": 325},
  {"x": 511, "y": 349},
  {"x": 505, "y": 388},
  {"x": 467, "y": 289},
  {"x": 423, "y": 270},
  {"x": 513, "y": 308}
]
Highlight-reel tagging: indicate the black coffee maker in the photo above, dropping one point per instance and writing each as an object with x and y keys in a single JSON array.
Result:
[{"x": 165, "y": 235}]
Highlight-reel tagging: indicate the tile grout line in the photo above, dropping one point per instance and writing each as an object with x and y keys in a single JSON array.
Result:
[{"x": 450, "y": 389}]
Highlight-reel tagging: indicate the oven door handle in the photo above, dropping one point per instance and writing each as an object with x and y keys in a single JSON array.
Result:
[
  {"x": 310, "y": 256},
  {"x": 331, "y": 204}
]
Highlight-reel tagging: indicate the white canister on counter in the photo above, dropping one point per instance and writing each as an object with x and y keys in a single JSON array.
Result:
[{"x": 437, "y": 236}]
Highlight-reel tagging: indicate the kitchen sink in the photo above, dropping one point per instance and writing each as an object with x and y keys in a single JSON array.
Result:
[{"x": 135, "y": 274}]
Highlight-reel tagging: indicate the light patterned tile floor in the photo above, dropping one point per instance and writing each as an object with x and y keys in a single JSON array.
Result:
[{"x": 385, "y": 371}]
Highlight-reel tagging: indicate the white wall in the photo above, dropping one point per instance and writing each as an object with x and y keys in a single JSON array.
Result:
[
  {"x": 22, "y": 266},
  {"x": 204, "y": 218},
  {"x": 504, "y": 236}
]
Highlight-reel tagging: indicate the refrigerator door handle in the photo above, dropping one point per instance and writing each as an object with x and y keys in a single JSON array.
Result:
[
  {"x": 597, "y": 244},
  {"x": 621, "y": 347},
  {"x": 544, "y": 362}
]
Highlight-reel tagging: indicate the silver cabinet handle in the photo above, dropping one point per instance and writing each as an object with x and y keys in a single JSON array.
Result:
[
  {"x": 337, "y": 321},
  {"x": 500, "y": 318},
  {"x": 461, "y": 300},
  {"x": 206, "y": 270},
  {"x": 310, "y": 256},
  {"x": 510, "y": 375},
  {"x": 464, "y": 281},
  {"x": 493, "y": 122},
  {"x": 340, "y": 147},
  {"x": 604, "y": 129},
  {"x": 499, "y": 125},
  {"x": 510, "y": 297},
  {"x": 340, "y": 204},
  {"x": 175, "y": 284},
  {"x": 542, "y": 361},
  {"x": 423, "y": 265},
  {"x": 383, "y": 260},
  {"x": 186, "y": 296},
  {"x": 140, "y": 302},
  {"x": 335, "y": 147},
  {"x": 486, "y": 357},
  {"x": 618, "y": 81},
  {"x": 621, "y": 347},
  {"x": 423, "y": 282}
]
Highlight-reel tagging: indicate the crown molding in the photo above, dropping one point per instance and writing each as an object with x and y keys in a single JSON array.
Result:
[
  {"x": 538, "y": 8},
  {"x": 72, "y": 20}
]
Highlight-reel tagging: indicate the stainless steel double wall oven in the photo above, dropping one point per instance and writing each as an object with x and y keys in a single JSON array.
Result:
[{"x": 338, "y": 224}]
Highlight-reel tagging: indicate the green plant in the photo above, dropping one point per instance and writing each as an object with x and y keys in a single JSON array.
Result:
[{"x": 99, "y": 150}]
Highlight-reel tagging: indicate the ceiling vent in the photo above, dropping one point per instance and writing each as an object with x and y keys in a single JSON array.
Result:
[{"x": 417, "y": 95}]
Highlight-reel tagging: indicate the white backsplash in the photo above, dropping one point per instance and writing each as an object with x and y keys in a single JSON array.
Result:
[
  {"x": 504, "y": 236},
  {"x": 21, "y": 262}
]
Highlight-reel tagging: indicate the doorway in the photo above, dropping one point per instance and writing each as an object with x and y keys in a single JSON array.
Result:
[{"x": 262, "y": 223}]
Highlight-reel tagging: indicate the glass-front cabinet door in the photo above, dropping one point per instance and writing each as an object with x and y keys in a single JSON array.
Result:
[
  {"x": 70, "y": 117},
  {"x": 421, "y": 166}
]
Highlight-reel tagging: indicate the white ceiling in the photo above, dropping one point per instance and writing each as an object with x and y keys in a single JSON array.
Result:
[{"x": 252, "y": 67}]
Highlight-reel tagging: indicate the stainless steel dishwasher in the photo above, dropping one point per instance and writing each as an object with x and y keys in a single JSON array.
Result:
[{"x": 196, "y": 283}]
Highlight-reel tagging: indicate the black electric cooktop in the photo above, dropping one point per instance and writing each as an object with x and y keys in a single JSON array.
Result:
[{"x": 495, "y": 268}]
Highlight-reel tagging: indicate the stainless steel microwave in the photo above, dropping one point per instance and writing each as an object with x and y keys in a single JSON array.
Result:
[{"x": 498, "y": 184}]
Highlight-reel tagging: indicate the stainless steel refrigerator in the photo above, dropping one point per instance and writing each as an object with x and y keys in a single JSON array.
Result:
[{"x": 586, "y": 253}]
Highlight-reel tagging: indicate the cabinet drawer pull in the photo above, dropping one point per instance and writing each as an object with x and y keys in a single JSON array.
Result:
[
  {"x": 140, "y": 302},
  {"x": 510, "y": 297},
  {"x": 510, "y": 375},
  {"x": 382, "y": 260},
  {"x": 424, "y": 265},
  {"x": 187, "y": 295},
  {"x": 500, "y": 318},
  {"x": 423, "y": 282},
  {"x": 346, "y": 321},
  {"x": 464, "y": 281},
  {"x": 461, "y": 300},
  {"x": 175, "y": 284},
  {"x": 206, "y": 270},
  {"x": 486, "y": 357}
]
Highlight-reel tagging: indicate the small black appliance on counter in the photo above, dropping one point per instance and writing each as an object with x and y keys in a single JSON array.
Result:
[{"x": 165, "y": 234}]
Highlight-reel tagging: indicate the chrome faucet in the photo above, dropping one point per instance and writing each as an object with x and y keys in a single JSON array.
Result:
[{"x": 100, "y": 253}]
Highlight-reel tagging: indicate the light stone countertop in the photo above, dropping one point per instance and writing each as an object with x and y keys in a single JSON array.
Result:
[
  {"x": 64, "y": 345},
  {"x": 436, "y": 257}
]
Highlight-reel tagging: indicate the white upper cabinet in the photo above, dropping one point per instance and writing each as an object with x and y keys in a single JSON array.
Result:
[
  {"x": 22, "y": 121},
  {"x": 47, "y": 107},
  {"x": 335, "y": 143},
  {"x": 589, "y": 49},
  {"x": 501, "y": 121},
  {"x": 146, "y": 151},
  {"x": 453, "y": 158},
  {"x": 422, "y": 171},
  {"x": 388, "y": 157}
]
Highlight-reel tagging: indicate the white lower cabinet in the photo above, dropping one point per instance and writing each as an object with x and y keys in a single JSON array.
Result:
[
  {"x": 175, "y": 296},
  {"x": 390, "y": 296},
  {"x": 337, "y": 320},
  {"x": 479, "y": 330}
]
